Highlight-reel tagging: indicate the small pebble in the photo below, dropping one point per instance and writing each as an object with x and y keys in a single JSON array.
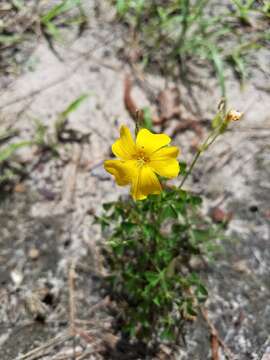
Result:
[
  {"x": 17, "y": 277},
  {"x": 19, "y": 188},
  {"x": 33, "y": 253}
]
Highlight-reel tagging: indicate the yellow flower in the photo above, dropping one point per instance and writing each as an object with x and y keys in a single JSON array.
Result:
[{"x": 140, "y": 161}]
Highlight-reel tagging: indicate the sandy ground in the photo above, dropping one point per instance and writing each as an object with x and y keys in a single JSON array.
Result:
[{"x": 46, "y": 225}]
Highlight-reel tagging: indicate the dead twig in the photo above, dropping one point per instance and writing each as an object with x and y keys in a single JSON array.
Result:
[
  {"x": 216, "y": 340},
  {"x": 130, "y": 105},
  {"x": 215, "y": 346},
  {"x": 169, "y": 104},
  {"x": 72, "y": 305},
  {"x": 134, "y": 111},
  {"x": 69, "y": 180}
]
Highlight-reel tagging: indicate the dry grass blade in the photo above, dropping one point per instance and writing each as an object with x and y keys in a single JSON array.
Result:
[
  {"x": 35, "y": 353},
  {"x": 72, "y": 306}
]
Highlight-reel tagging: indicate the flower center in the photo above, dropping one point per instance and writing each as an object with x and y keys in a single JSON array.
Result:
[{"x": 141, "y": 158}]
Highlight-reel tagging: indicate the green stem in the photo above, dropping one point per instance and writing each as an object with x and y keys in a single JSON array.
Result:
[
  {"x": 208, "y": 141},
  {"x": 196, "y": 157}
]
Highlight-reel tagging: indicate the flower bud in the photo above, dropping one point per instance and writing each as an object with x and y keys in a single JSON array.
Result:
[{"x": 233, "y": 115}]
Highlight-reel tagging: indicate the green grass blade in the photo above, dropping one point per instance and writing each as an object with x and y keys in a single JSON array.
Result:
[
  {"x": 18, "y": 4},
  {"x": 74, "y": 105},
  {"x": 122, "y": 7},
  {"x": 9, "y": 39},
  {"x": 7, "y": 152},
  {"x": 59, "y": 124},
  {"x": 59, "y": 9},
  {"x": 52, "y": 30},
  {"x": 219, "y": 67}
]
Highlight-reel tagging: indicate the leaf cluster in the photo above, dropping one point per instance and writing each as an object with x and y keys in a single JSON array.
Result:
[{"x": 149, "y": 248}]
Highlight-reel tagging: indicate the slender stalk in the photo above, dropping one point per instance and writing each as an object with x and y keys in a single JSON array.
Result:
[
  {"x": 208, "y": 141},
  {"x": 196, "y": 157}
]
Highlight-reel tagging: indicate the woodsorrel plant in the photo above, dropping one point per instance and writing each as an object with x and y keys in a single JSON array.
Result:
[{"x": 152, "y": 236}]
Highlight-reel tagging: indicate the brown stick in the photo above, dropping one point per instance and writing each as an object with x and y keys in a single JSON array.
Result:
[
  {"x": 215, "y": 338},
  {"x": 130, "y": 105},
  {"x": 128, "y": 101},
  {"x": 72, "y": 305},
  {"x": 214, "y": 347}
]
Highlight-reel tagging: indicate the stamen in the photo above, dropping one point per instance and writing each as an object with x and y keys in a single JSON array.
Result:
[{"x": 141, "y": 158}]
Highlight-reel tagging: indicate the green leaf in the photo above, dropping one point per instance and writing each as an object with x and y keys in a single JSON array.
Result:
[
  {"x": 108, "y": 206},
  {"x": 59, "y": 9},
  {"x": 183, "y": 195},
  {"x": 195, "y": 200},
  {"x": 219, "y": 66},
  {"x": 170, "y": 272},
  {"x": 122, "y": 6},
  {"x": 201, "y": 292},
  {"x": 52, "y": 30},
  {"x": 168, "y": 211},
  {"x": 189, "y": 308},
  {"x": 199, "y": 236},
  {"x": 147, "y": 119},
  {"x": 152, "y": 278},
  {"x": 60, "y": 122},
  {"x": 74, "y": 105},
  {"x": 183, "y": 168},
  {"x": 7, "y": 152},
  {"x": 156, "y": 301},
  {"x": 149, "y": 230},
  {"x": 18, "y": 4},
  {"x": 8, "y": 40},
  {"x": 167, "y": 334},
  {"x": 6, "y": 176},
  {"x": 193, "y": 278},
  {"x": 217, "y": 120},
  {"x": 239, "y": 65},
  {"x": 128, "y": 227},
  {"x": 40, "y": 132}
]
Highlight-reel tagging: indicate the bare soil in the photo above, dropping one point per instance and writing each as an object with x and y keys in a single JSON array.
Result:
[{"x": 47, "y": 220}]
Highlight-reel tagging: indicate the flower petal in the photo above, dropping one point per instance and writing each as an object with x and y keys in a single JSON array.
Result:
[
  {"x": 124, "y": 147},
  {"x": 164, "y": 162},
  {"x": 150, "y": 142},
  {"x": 165, "y": 153},
  {"x": 145, "y": 183},
  {"x": 123, "y": 171}
]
